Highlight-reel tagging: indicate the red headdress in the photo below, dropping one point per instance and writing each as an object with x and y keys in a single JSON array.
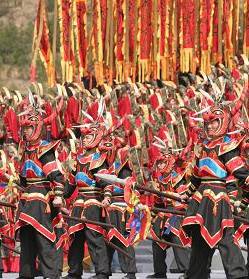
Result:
[
  {"x": 97, "y": 130},
  {"x": 168, "y": 159},
  {"x": 34, "y": 117},
  {"x": 111, "y": 142},
  {"x": 222, "y": 115}
]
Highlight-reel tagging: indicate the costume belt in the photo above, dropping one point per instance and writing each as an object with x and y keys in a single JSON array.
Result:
[
  {"x": 214, "y": 182},
  {"x": 34, "y": 181}
]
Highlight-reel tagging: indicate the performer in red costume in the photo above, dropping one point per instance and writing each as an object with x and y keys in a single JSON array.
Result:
[
  {"x": 209, "y": 218},
  {"x": 38, "y": 208},
  {"x": 168, "y": 226},
  {"x": 88, "y": 203}
]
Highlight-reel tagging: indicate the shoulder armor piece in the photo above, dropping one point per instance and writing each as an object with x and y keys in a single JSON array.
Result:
[
  {"x": 45, "y": 146},
  {"x": 95, "y": 159},
  {"x": 229, "y": 144},
  {"x": 177, "y": 178}
]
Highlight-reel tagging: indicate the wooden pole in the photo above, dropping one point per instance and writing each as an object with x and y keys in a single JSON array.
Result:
[
  {"x": 162, "y": 194},
  {"x": 87, "y": 221},
  {"x": 39, "y": 36},
  {"x": 55, "y": 30},
  {"x": 220, "y": 43},
  {"x": 168, "y": 243}
]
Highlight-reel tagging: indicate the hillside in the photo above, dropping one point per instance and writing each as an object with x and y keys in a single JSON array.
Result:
[
  {"x": 16, "y": 33},
  {"x": 18, "y": 12}
]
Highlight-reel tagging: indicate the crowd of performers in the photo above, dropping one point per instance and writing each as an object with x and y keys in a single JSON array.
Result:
[{"x": 112, "y": 166}]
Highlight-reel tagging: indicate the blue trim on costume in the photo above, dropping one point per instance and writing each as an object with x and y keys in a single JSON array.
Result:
[
  {"x": 160, "y": 178},
  {"x": 31, "y": 165},
  {"x": 44, "y": 143},
  {"x": 227, "y": 139},
  {"x": 213, "y": 167},
  {"x": 117, "y": 165},
  {"x": 96, "y": 156},
  {"x": 118, "y": 190},
  {"x": 174, "y": 173},
  {"x": 83, "y": 177}
]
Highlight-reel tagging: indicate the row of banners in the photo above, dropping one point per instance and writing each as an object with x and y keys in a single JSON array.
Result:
[{"x": 140, "y": 39}]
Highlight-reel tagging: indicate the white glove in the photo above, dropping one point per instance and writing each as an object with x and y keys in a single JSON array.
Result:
[{"x": 57, "y": 202}]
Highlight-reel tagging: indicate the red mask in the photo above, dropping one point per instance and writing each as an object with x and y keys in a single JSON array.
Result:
[
  {"x": 36, "y": 123},
  {"x": 97, "y": 131},
  {"x": 165, "y": 163},
  {"x": 221, "y": 116}
]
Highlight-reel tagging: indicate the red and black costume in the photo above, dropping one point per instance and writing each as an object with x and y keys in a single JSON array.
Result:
[
  {"x": 88, "y": 204},
  {"x": 165, "y": 225},
  {"x": 209, "y": 217},
  {"x": 42, "y": 192},
  {"x": 118, "y": 215}
]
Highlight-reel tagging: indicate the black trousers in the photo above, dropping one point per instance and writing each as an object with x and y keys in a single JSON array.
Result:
[
  {"x": 59, "y": 252},
  {"x": 97, "y": 250},
  {"x": 33, "y": 245},
  {"x": 1, "y": 263},
  {"x": 127, "y": 265},
  {"x": 232, "y": 259},
  {"x": 182, "y": 257}
]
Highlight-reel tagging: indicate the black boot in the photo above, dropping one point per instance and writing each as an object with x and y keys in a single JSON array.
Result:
[
  {"x": 157, "y": 276},
  {"x": 129, "y": 276}
]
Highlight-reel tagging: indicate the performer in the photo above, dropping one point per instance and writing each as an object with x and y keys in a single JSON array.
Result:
[
  {"x": 38, "y": 208},
  {"x": 89, "y": 204},
  {"x": 209, "y": 217},
  {"x": 117, "y": 208},
  {"x": 168, "y": 226},
  {"x": 243, "y": 229}
]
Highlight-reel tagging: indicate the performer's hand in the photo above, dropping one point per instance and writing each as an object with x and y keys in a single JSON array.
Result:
[
  {"x": 184, "y": 197},
  {"x": 106, "y": 202},
  {"x": 236, "y": 207},
  {"x": 141, "y": 206},
  {"x": 58, "y": 202}
]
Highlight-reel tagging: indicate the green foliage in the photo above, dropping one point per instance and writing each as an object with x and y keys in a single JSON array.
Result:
[
  {"x": 16, "y": 49},
  {"x": 15, "y": 45},
  {"x": 50, "y": 5}
]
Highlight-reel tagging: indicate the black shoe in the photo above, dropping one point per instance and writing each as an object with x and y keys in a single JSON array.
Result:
[
  {"x": 129, "y": 276},
  {"x": 157, "y": 276},
  {"x": 184, "y": 276},
  {"x": 175, "y": 270},
  {"x": 116, "y": 270},
  {"x": 70, "y": 277},
  {"x": 99, "y": 276}
]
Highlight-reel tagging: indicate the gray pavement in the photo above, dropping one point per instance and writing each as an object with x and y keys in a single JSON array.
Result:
[
  {"x": 215, "y": 275},
  {"x": 145, "y": 266}
]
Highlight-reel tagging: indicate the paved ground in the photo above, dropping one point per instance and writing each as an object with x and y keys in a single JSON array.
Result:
[{"x": 216, "y": 275}]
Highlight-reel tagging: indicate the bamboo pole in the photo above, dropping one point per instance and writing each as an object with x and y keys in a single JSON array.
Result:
[
  {"x": 55, "y": 30},
  {"x": 39, "y": 36}
]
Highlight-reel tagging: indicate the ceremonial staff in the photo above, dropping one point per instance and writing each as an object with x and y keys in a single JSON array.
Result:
[
  {"x": 114, "y": 179},
  {"x": 103, "y": 225},
  {"x": 182, "y": 213},
  {"x": 11, "y": 249},
  {"x": 170, "y": 211},
  {"x": 7, "y": 204},
  {"x": 167, "y": 242},
  {"x": 84, "y": 220}
]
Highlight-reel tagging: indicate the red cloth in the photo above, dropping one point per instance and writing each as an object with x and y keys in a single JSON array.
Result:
[{"x": 124, "y": 106}]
